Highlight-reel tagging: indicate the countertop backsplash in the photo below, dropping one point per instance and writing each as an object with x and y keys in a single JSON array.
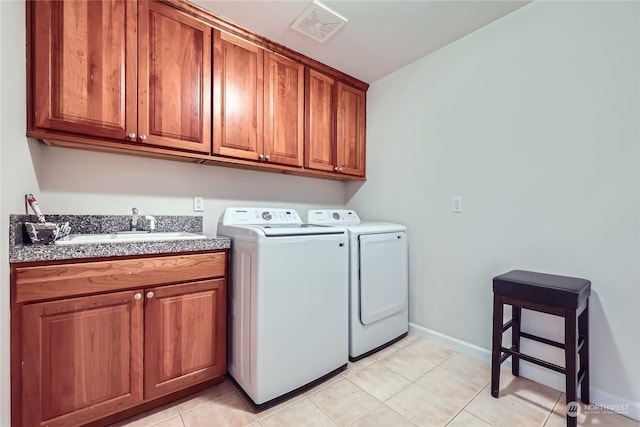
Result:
[{"x": 102, "y": 224}]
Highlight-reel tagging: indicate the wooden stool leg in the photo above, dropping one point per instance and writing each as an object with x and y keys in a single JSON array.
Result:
[
  {"x": 583, "y": 331},
  {"x": 496, "y": 352},
  {"x": 570, "y": 357},
  {"x": 516, "y": 314}
]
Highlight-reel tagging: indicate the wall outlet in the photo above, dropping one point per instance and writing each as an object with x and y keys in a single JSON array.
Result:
[
  {"x": 198, "y": 204},
  {"x": 456, "y": 204}
]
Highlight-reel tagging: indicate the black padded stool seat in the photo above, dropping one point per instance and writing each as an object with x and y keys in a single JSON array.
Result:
[{"x": 567, "y": 297}]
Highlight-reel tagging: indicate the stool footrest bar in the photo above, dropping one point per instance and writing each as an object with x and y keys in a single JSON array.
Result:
[
  {"x": 504, "y": 357},
  {"x": 542, "y": 340},
  {"x": 535, "y": 360},
  {"x": 507, "y": 325},
  {"x": 580, "y": 343},
  {"x": 581, "y": 375}
]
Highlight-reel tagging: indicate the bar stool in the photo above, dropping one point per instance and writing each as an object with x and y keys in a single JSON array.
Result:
[{"x": 567, "y": 297}]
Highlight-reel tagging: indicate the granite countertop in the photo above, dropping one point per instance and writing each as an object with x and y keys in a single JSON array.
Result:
[{"x": 22, "y": 250}]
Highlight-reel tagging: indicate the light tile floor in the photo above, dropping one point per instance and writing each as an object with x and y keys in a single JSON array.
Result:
[{"x": 411, "y": 383}]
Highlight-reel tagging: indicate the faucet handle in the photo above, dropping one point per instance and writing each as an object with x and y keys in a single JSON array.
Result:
[
  {"x": 152, "y": 223},
  {"x": 134, "y": 211}
]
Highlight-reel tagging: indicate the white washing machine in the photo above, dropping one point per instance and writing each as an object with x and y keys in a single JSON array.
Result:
[
  {"x": 288, "y": 301},
  {"x": 378, "y": 280}
]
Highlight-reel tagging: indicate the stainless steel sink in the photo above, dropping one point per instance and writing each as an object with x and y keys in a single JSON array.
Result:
[{"x": 75, "y": 239}]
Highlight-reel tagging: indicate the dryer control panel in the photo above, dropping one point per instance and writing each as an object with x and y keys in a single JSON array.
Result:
[{"x": 333, "y": 217}]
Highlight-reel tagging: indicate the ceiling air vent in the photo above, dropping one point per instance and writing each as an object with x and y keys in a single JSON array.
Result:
[{"x": 318, "y": 22}]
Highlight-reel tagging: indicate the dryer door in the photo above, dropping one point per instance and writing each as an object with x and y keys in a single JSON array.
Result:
[{"x": 383, "y": 275}]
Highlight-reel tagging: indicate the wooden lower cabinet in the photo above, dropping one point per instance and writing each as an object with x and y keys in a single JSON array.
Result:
[
  {"x": 184, "y": 336},
  {"x": 79, "y": 359}
]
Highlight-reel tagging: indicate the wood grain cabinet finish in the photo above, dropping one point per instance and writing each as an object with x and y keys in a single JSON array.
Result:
[
  {"x": 350, "y": 130},
  {"x": 258, "y": 103},
  {"x": 184, "y": 335},
  {"x": 334, "y": 125},
  {"x": 83, "y": 358},
  {"x": 320, "y": 102},
  {"x": 167, "y": 79},
  {"x": 137, "y": 72},
  {"x": 83, "y": 64},
  {"x": 284, "y": 110},
  {"x": 238, "y": 97},
  {"x": 174, "y": 79}
]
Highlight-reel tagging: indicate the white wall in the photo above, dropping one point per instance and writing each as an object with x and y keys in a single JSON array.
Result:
[
  {"x": 82, "y": 182},
  {"x": 534, "y": 121}
]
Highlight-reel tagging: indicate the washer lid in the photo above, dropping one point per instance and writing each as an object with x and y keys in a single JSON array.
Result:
[{"x": 279, "y": 230}]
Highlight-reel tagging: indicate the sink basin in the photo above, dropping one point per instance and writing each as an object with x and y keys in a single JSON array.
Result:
[{"x": 75, "y": 239}]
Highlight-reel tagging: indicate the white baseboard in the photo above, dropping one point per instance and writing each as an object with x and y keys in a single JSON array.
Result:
[{"x": 536, "y": 373}]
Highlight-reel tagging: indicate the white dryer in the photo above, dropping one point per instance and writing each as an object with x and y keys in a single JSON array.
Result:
[
  {"x": 288, "y": 301},
  {"x": 378, "y": 280}
]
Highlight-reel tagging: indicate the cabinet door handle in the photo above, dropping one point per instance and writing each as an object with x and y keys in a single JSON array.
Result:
[
  {"x": 137, "y": 296},
  {"x": 260, "y": 156},
  {"x": 339, "y": 169},
  {"x": 267, "y": 157},
  {"x": 132, "y": 135},
  {"x": 150, "y": 294},
  {"x": 336, "y": 169},
  {"x": 143, "y": 137}
]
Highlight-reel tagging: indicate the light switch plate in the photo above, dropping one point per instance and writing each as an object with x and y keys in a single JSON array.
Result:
[{"x": 198, "y": 204}]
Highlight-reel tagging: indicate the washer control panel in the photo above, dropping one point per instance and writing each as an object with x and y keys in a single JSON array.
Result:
[
  {"x": 261, "y": 216},
  {"x": 333, "y": 217}
]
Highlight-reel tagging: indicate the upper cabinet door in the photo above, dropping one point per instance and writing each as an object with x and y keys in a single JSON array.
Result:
[
  {"x": 319, "y": 117},
  {"x": 284, "y": 110},
  {"x": 238, "y": 100},
  {"x": 82, "y": 54},
  {"x": 350, "y": 130},
  {"x": 174, "y": 83}
]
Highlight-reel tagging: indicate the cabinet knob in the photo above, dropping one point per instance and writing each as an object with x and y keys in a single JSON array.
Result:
[
  {"x": 137, "y": 296},
  {"x": 143, "y": 137},
  {"x": 336, "y": 169},
  {"x": 267, "y": 157},
  {"x": 132, "y": 135},
  {"x": 261, "y": 156},
  {"x": 150, "y": 294},
  {"x": 339, "y": 169}
]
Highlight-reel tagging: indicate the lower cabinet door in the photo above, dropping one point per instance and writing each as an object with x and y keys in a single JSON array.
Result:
[
  {"x": 185, "y": 335},
  {"x": 81, "y": 358}
]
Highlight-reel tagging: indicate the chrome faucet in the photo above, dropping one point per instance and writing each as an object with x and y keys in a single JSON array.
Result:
[{"x": 134, "y": 220}]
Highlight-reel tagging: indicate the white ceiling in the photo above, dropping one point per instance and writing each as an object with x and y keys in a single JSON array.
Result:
[{"x": 381, "y": 36}]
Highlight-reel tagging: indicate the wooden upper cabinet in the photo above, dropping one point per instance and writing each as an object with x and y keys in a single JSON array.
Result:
[
  {"x": 350, "y": 130},
  {"x": 335, "y": 126},
  {"x": 319, "y": 126},
  {"x": 238, "y": 97},
  {"x": 81, "y": 358},
  {"x": 284, "y": 110},
  {"x": 82, "y": 57},
  {"x": 161, "y": 78},
  {"x": 174, "y": 79},
  {"x": 185, "y": 339}
]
